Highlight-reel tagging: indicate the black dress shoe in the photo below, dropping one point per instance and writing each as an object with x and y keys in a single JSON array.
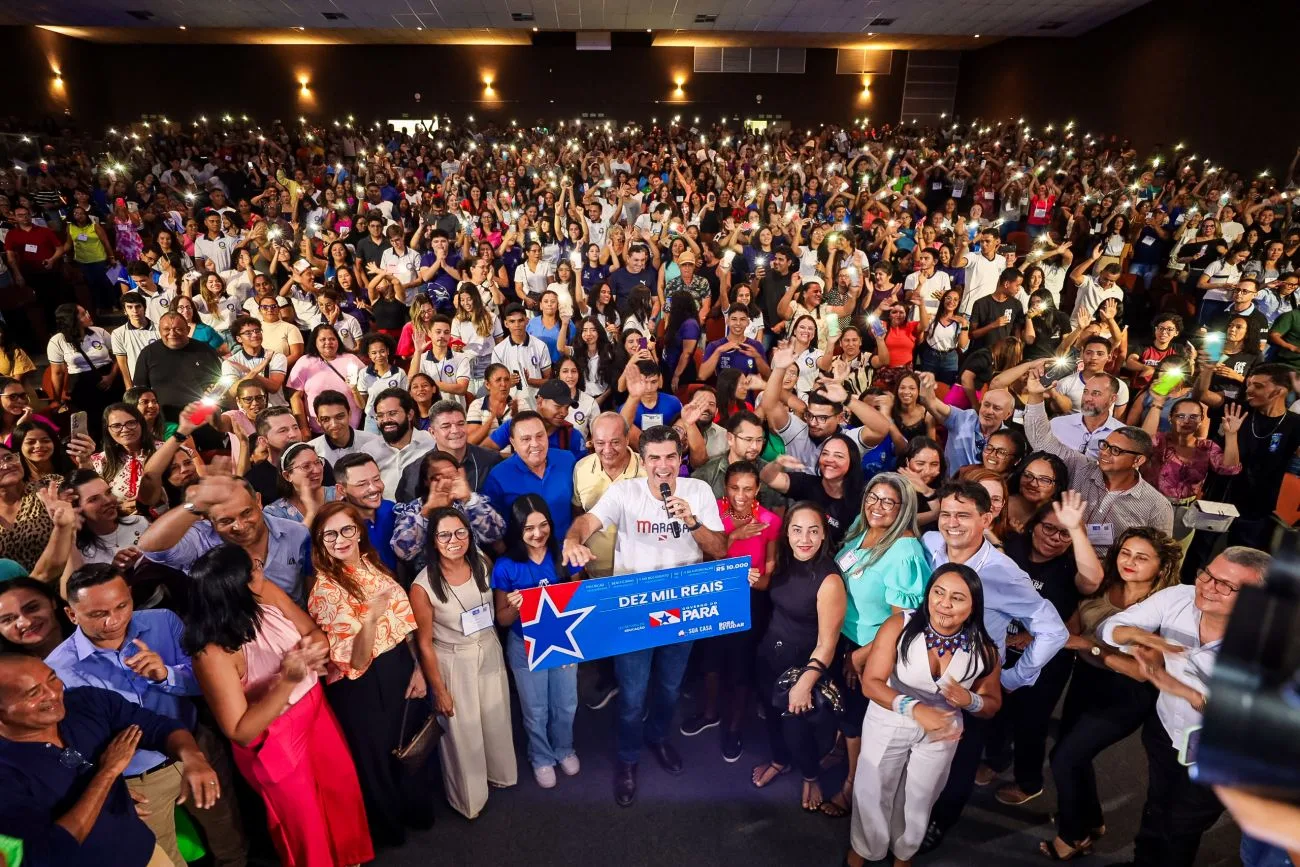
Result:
[
  {"x": 668, "y": 757},
  {"x": 625, "y": 784},
  {"x": 932, "y": 840}
]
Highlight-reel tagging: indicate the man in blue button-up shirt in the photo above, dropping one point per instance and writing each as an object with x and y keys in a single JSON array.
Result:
[
  {"x": 965, "y": 513},
  {"x": 138, "y": 655},
  {"x": 62, "y": 754},
  {"x": 224, "y": 509},
  {"x": 534, "y": 468},
  {"x": 968, "y": 430}
]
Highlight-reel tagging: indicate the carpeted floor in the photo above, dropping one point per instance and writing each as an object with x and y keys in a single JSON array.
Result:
[{"x": 711, "y": 815}]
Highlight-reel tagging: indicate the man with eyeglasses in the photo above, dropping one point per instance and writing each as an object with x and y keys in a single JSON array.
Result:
[
  {"x": 1241, "y": 303},
  {"x": 745, "y": 440},
  {"x": 1085, "y": 430},
  {"x": 278, "y": 335},
  {"x": 131, "y": 338},
  {"x": 1116, "y": 495},
  {"x": 362, "y": 485},
  {"x": 62, "y": 755},
  {"x": 252, "y": 360},
  {"x": 1176, "y": 635}
]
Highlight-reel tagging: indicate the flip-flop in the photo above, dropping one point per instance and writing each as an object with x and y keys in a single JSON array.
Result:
[{"x": 1049, "y": 851}]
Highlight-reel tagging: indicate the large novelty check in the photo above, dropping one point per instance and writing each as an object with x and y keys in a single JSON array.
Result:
[{"x": 582, "y": 620}]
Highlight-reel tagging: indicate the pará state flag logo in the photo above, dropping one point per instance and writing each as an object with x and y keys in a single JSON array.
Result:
[
  {"x": 552, "y": 622},
  {"x": 666, "y": 618}
]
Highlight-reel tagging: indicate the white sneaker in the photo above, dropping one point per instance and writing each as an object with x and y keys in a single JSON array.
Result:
[
  {"x": 545, "y": 777},
  {"x": 570, "y": 765}
]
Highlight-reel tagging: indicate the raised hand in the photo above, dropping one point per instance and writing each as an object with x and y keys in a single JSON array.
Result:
[
  {"x": 146, "y": 662},
  {"x": 1234, "y": 414},
  {"x": 1069, "y": 511}
]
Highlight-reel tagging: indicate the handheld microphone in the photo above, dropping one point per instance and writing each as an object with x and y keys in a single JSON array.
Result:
[{"x": 666, "y": 492}]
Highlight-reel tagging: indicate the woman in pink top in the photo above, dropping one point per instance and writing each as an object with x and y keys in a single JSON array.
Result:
[
  {"x": 258, "y": 658},
  {"x": 324, "y": 368},
  {"x": 752, "y": 532}
]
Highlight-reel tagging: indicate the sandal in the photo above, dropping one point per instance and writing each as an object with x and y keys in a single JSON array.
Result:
[
  {"x": 836, "y": 807},
  {"x": 764, "y": 774},
  {"x": 806, "y": 801},
  {"x": 1048, "y": 849}
]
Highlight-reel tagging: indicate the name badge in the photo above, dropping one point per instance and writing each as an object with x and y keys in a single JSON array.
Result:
[
  {"x": 30, "y": 248},
  {"x": 1101, "y": 534},
  {"x": 82, "y": 236},
  {"x": 476, "y": 619},
  {"x": 1148, "y": 240},
  {"x": 651, "y": 419}
]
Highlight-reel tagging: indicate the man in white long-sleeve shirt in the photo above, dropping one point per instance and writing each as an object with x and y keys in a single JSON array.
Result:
[
  {"x": 965, "y": 513},
  {"x": 1176, "y": 635}
]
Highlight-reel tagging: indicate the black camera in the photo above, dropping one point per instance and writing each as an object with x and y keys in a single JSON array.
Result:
[{"x": 1250, "y": 736}]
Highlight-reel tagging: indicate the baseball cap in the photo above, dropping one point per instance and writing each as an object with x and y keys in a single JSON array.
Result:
[{"x": 556, "y": 392}]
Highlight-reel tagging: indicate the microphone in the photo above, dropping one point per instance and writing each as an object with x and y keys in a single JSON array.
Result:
[{"x": 666, "y": 492}]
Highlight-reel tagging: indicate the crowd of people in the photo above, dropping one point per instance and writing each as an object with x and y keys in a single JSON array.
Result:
[{"x": 320, "y": 401}]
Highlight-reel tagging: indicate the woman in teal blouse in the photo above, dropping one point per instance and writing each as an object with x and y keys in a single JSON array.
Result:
[{"x": 885, "y": 569}]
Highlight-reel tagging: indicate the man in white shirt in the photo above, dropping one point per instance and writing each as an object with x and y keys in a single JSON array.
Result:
[
  {"x": 1094, "y": 355},
  {"x": 213, "y": 250},
  {"x": 654, "y": 531},
  {"x": 130, "y": 339},
  {"x": 525, "y": 355},
  {"x": 339, "y": 438},
  {"x": 1085, "y": 430},
  {"x": 395, "y": 412},
  {"x": 1176, "y": 635},
  {"x": 1092, "y": 292},
  {"x": 448, "y": 370},
  {"x": 982, "y": 271}
]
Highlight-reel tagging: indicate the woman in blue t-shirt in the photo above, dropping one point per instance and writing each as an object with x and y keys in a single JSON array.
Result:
[{"x": 548, "y": 698}]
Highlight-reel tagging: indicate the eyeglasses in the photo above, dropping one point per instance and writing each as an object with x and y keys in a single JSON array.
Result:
[
  {"x": 348, "y": 532},
  {"x": 998, "y": 451},
  {"x": 445, "y": 536},
  {"x": 16, "y": 395},
  {"x": 256, "y": 398},
  {"x": 9, "y": 460},
  {"x": 820, "y": 419},
  {"x": 123, "y": 425},
  {"x": 1220, "y": 586},
  {"x": 874, "y": 499},
  {"x": 251, "y": 332},
  {"x": 1186, "y": 416},
  {"x": 268, "y": 307},
  {"x": 1053, "y": 531},
  {"x": 1115, "y": 450},
  {"x": 307, "y": 465},
  {"x": 1038, "y": 481}
]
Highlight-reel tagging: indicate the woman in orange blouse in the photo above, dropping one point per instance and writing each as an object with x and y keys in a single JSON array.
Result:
[{"x": 367, "y": 618}]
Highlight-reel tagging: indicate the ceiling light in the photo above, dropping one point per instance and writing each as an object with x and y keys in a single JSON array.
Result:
[
  {"x": 977, "y": 36},
  {"x": 182, "y": 27}
]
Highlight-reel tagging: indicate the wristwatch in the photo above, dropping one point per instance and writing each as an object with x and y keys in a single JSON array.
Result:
[
  {"x": 697, "y": 526},
  {"x": 178, "y": 436},
  {"x": 192, "y": 509}
]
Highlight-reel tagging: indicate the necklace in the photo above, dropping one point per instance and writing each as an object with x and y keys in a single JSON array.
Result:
[
  {"x": 941, "y": 643},
  {"x": 1254, "y": 417}
]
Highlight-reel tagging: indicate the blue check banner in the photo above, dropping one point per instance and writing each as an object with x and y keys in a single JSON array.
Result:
[{"x": 581, "y": 620}]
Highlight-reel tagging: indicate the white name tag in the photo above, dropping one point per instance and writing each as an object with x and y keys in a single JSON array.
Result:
[
  {"x": 476, "y": 619},
  {"x": 1101, "y": 534},
  {"x": 651, "y": 419},
  {"x": 30, "y": 248},
  {"x": 1149, "y": 240}
]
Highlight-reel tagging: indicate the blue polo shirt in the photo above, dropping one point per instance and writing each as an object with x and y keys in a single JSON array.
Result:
[
  {"x": 80, "y": 663},
  {"x": 39, "y": 782},
  {"x": 509, "y": 575},
  {"x": 665, "y": 411},
  {"x": 512, "y": 478},
  {"x": 734, "y": 359},
  {"x": 380, "y": 531},
  {"x": 577, "y": 445},
  {"x": 288, "y": 554}
]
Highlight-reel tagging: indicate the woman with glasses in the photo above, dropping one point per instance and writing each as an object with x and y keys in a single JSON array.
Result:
[
  {"x": 1042, "y": 479},
  {"x": 808, "y": 604},
  {"x": 241, "y": 423},
  {"x": 259, "y": 659},
  {"x": 304, "y": 472},
  {"x": 1108, "y": 699},
  {"x": 1182, "y": 457},
  {"x": 924, "y": 668},
  {"x": 1054, "y": 550},
  {"x": 184, "y": 305},
  {"x": 367, "y": 619},
  {"x": 16, "y": 407},
  {"x": 1003, "y": 451},
  {"x": 461, "y": 658},
  {"x": 548, "y": 699},
  {"x": 885, "y": 569},
  {"x": 127, "y": 447}
]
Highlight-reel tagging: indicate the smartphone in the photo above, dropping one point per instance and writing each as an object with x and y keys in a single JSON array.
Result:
[
  {"x": 1213, "y": 344},
  {"x": 79, "y": 424},
  {"x": 132, "y": 207},
  {"x": 643, "y": 343},
  {"x": 1167, "y": 382},
  {"x": 1057, "y": 370}
]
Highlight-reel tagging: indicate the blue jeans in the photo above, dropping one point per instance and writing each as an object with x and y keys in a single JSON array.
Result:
[
  {"x": 648, "y": 675},
  {"x": 1146, "y": 272},
  {"x": 1257, "y": 853},
  {"x": 548, "y": 700}
]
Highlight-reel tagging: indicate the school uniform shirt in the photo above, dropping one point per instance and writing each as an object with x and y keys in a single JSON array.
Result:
[
  {"x": 370, "y": 383},
  {"x": 405, "y": 267},
  {"x": 644, "y": 539},
  {"x": 930, "y": 288},
  {"x": 1220, "y": 273},
  {"x": 126, "y": 534},
  {"x": 349, "y": 331},
  {"x": 237, "y": 364},
  {"x": 360, "y": 442},
  {"x": 128, "y": 342},
  {"x": 982, "y": 276},
  {"x": 1091, "y": 296},
  {"x": 1072, "y": 387},
  {"x": 95, "y": 351},
  {"x": 453, "y": 367},
  {"x": 218, "y": 251},
  {"x": 1069, "y": 429},
  {"x": 529, "y": 359}
]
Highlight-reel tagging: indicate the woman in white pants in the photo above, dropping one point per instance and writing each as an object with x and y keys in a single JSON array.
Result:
[{"x": 924, "y": 665}]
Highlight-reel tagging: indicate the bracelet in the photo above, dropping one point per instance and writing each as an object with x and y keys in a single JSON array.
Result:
[
  {"x": 905, "y": 705},
  {"x": 976, "y": 703}
]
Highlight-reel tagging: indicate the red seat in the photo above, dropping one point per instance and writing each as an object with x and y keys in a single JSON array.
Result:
[{"x": 1022, "y": 242}]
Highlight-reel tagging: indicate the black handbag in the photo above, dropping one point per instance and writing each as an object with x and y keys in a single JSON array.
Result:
[
  {"x": 826, "y": 697},
  {"x": 413, "y": 753}
]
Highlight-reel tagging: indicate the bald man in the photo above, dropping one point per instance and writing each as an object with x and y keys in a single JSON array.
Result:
[{"x": 968, "y": 430}]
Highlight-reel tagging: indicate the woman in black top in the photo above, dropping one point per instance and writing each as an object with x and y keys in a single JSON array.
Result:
[
  {"x": 1044, "y": 326},
  {"x": 808, "y": 605},
  {"x": 835, "y": 484},
  {"x": 1054, "y": 551}
]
